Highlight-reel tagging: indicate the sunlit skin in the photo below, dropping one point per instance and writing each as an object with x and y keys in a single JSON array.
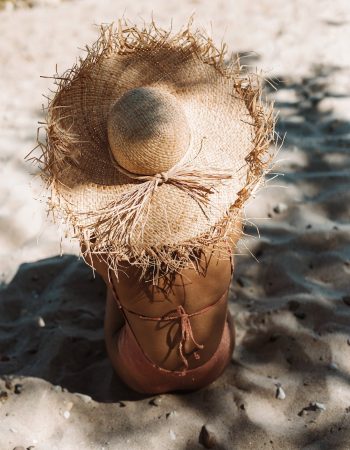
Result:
[{"x": 188, "y": 288}]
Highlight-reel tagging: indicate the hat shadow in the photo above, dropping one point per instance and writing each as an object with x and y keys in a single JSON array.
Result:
[{"x": 52, "y": 328}]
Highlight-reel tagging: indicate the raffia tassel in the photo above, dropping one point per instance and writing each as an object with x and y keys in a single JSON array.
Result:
[{"x": 118, "y": 220}]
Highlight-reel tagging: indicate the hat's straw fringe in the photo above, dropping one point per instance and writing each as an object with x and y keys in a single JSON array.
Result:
[
  {"x": 127, "y": 214},
  {"x": 97, "y": 234}
]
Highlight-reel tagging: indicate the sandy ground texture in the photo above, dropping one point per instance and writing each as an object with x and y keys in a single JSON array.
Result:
[{"x": 288, "y": 386}]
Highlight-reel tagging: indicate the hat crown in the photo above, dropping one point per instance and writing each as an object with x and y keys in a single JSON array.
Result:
[{"x": 148, "y": 131}]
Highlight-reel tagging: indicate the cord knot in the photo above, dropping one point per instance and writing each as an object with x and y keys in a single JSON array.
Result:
[
  {"x": 163, "y": 177},
  {"x": 186, "y": 335}
]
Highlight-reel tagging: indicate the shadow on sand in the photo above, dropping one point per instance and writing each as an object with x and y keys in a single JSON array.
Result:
[
  {"x": 285, "y": 321},
  {"x": 69, "y": 350}
]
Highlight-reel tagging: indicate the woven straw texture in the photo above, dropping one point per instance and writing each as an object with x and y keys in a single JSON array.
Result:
[{"x": 195, "y": 111}]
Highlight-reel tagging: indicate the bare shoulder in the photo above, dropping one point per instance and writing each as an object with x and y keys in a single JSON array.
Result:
[{"x": 212, "y": 267}]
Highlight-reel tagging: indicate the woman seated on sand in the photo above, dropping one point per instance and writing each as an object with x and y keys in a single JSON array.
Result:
[{"x": 153, "y": 148}]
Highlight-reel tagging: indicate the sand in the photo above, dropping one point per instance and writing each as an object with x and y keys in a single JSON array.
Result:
[{"x": 288, "y": 386}]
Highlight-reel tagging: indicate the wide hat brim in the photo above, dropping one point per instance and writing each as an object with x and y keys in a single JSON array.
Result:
[{"x": 230, "y": 128}]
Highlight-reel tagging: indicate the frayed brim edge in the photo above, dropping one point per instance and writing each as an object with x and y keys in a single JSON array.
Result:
[{"x": 156, "y": 262}]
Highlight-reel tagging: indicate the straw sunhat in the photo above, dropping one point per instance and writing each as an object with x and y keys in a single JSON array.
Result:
[{"x": 153, "y": 146}]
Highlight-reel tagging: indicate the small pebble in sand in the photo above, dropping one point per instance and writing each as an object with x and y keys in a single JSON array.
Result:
[
  {"x": 66, "y": 414},
  {"x": 280, "y": 394},
  {"x": 313, "y": 406},
  {"x": 41, "y": 322},
  {"x": 318, "y": 406},
  {"x": 207, "y": 438},
  {"x": 84, "y": 397},
  {"x": 18, "y": 388},
  {"x": 172, "y": 435},
  {"x": 19, "y": 448},
  {"x": 333, "y": 366},
  {"x": 280, "y": 208},
  {"x": 155, "y": 401},
  {"x": 170, "y": 414}
]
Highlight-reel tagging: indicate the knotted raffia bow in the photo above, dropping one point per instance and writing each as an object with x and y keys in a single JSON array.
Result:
[{"x": 117, "y": 221}]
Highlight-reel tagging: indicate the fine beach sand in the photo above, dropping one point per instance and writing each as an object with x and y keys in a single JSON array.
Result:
[{"x": 288, "y": 386}]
